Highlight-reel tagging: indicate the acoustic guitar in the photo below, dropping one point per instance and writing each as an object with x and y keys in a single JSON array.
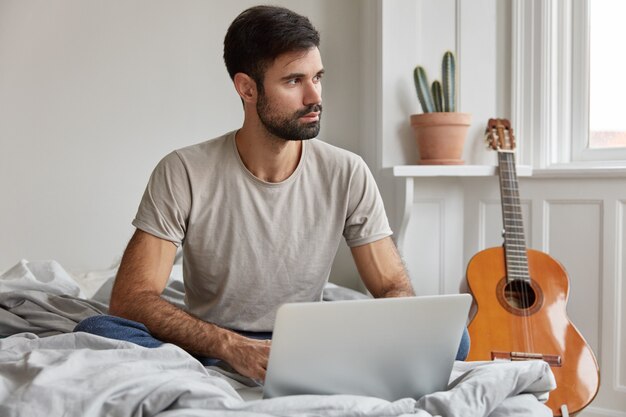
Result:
[{"x": 521, "y": 297}]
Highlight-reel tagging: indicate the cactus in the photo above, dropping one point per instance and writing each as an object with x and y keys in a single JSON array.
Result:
[
  {"x": 437, "y": 95},
  {"x": 441, "y": 97},
  {"x": 448, "y": 77},
  {"x": 423, "y": 93}
]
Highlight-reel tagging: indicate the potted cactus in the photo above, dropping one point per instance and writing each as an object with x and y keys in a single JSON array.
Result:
[{"x": 440, "y": 131}]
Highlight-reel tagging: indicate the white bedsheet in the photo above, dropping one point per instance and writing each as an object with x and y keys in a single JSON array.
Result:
[{"x": 45, "y": 371}]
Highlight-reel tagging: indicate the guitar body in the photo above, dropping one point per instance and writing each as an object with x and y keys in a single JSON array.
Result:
[{"x": 534, "y": 322}]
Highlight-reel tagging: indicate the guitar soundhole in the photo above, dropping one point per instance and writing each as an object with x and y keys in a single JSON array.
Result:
[
  {"x": 519, "y": 297},
  {"x": 519, "y": 294}
]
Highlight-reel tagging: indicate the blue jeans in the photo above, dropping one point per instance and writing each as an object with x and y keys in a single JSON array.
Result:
[
  {"x": 464, "y": 346},
  {"x": 132, "y": 331}
]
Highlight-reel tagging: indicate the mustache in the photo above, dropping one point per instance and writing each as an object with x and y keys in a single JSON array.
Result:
[{"x": 309, "y": 109}]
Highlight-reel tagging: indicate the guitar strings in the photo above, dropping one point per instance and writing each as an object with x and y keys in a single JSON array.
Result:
[
  {"x": 516, "y": 255},
  {"x": 522, "y": 265}
]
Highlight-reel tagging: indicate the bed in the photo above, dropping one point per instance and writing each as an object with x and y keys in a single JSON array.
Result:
[{"x": 47, "y": 370}]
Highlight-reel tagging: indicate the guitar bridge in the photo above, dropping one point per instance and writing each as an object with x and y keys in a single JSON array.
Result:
[{"x": 552, "y": 360}]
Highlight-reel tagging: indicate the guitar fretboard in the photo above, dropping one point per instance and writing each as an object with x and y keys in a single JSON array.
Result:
[{"x": 514, "y": 240}]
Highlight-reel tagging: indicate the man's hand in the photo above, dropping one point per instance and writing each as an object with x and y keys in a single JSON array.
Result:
[{"x": 248, "y": 357}]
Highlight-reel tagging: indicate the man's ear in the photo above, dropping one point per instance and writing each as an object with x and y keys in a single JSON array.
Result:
[{"x": 246, "y": 87}]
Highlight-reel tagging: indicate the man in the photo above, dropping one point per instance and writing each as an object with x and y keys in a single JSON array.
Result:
[{"x": 259, "y": 212}]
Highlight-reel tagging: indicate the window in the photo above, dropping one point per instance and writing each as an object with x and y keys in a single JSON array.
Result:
[
  {"x": 568, "y": 83},
  {"x": 607, "y": 66}
]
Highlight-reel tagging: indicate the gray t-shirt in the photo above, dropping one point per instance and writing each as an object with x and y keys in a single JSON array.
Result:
[{"x": 248, "y": 245}]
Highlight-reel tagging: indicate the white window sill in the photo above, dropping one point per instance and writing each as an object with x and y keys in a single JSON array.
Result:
[{"x": 581, "y": 171}]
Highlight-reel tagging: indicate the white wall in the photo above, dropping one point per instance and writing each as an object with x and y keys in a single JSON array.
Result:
[{"x": 93, "y": 94}]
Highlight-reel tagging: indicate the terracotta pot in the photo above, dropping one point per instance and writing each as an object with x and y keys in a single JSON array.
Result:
[{"x": 440, "y": 137}]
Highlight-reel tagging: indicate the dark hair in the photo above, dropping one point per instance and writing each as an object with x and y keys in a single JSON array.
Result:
[{"x": 262, "y": 33}]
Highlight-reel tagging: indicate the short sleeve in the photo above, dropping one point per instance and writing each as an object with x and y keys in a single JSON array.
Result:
[
  {"x": 166, "y": 202},
  {"x": 366, "y": 220}
]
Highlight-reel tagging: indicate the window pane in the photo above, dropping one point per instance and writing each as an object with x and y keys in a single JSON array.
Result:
[{"x": 607, "y": 118}]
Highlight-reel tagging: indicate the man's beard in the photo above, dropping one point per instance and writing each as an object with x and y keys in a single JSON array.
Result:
[{"x": 288, "y": 127}]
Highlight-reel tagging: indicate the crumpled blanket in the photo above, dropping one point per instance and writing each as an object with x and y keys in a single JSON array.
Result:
[
  {"x": 42, "y": 298},
  {"x": 45, "y": 371}
]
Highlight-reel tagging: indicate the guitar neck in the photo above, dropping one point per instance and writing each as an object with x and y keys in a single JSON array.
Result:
[{"x": 514, "y": 240}]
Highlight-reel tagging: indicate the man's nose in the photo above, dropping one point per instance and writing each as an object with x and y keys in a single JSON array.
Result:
[{"x": 313, "y": 94}]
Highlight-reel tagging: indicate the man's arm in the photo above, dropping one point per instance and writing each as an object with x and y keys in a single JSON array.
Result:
[
  {"x": 142, "y": 276},
  {"x": 382, "y": 270}
]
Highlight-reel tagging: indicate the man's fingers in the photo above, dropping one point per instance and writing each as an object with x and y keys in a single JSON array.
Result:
[
  {"x": 264, "y": 358},
  {"x": 252, "y": 358},
  {"x": 263, "y": 363}
]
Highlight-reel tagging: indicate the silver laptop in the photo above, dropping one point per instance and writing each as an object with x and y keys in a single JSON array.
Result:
[{"x": 387, "y": 348}]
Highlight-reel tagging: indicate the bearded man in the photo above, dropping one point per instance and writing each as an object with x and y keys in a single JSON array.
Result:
[{"x": 259, "y": 212}]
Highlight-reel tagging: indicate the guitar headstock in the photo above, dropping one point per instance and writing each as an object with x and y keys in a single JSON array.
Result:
[{"x": 499, "y": 135}]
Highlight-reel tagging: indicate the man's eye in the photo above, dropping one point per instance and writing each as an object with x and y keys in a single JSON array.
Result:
[{"x": 293, "y": 81}]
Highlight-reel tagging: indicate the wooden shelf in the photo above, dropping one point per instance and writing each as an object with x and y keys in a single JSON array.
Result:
[{"x": 454, "y": 170}]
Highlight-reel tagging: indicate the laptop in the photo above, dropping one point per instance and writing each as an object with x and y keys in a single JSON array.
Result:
[{"x": 388, "y": 348}]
